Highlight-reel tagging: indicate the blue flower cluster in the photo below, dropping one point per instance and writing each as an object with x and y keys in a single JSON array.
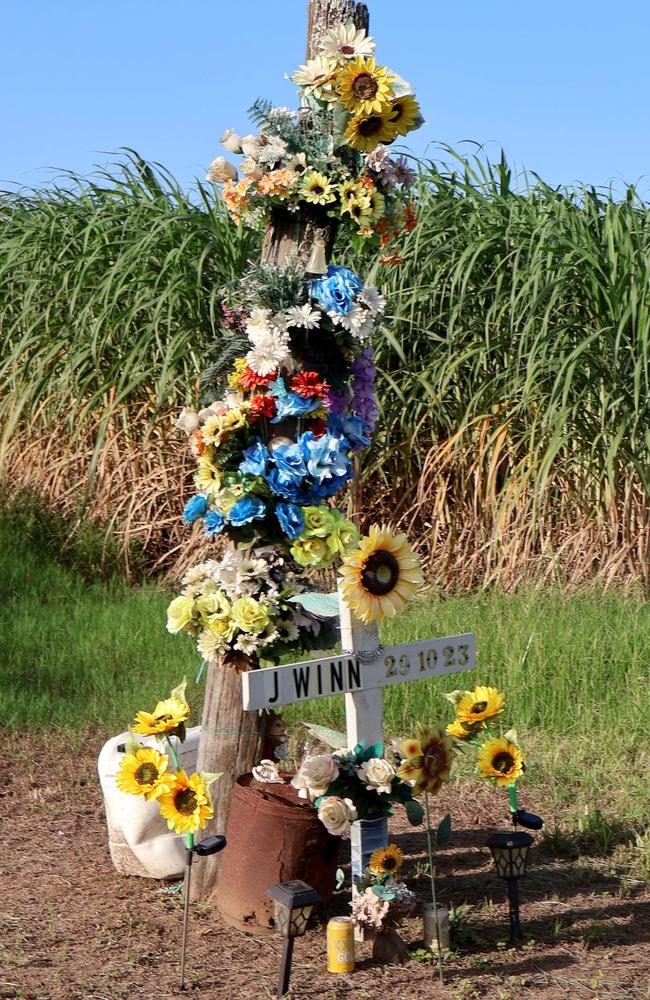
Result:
[{"x": 337, "y": 290}]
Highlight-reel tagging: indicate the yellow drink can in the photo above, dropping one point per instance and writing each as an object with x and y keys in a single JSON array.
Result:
[{"x": 340, "y": 945}]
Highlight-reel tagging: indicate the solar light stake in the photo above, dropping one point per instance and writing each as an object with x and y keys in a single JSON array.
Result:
[
  {"x": 208, "y": 846},
  {"x": 510, "y": 852},
  {"x": 293, "y": 903}
]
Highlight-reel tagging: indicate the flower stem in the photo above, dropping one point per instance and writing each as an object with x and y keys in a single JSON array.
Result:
[
  {"x": 433, "y": 883},
  {"x": 172, "y": 751},
  {"x": 512, "y": 795}
]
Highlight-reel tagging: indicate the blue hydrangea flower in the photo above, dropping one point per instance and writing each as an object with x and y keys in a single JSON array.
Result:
[
  {"x": 326, "y": 456},
  {"x": 213, "y": 524},
  {"x": 291, "y": 520},
  {"x": 353, "y": 429},
  {"x": 256, "y": 458},
  {"x": 290, "y": 463},
  {"x": 337, "y": 290},
  {"x": 195, "y": 508},
  {"x": 246, "y": 510}
]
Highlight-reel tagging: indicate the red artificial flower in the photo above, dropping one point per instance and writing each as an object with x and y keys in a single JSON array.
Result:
[
  {"x": 411, "y": 217},
  {"x": 262, "y": 406},
  {"x": 308, "y": 384},
  {"x": 318, "y": 427},
  {"x": 250, "y": 380}
]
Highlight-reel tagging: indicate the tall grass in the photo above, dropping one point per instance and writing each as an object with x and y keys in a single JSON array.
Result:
[{"x": 513, "y": 441}]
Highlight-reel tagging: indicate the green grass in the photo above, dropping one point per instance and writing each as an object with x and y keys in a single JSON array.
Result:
[{"x": 79, "y": 654}]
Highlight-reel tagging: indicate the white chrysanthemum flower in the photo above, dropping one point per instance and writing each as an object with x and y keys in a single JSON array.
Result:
[
  {"x": 210, "y": 645},
  {"x": 371, "y": 297},
  {"x": 365, "y": 331},
  {"x": 316, "y": 77},
  {"x": 272, "y": 151},
  {"x": 268, "y": 354},
  {"x": 279, "y": 324},
  {"x": 304, "y": 316},
  {"x": 259, "y": 321},
  {"x": 269, "y": 636},
  {"x": 231, "y": 141},
  {"x": 221, "y": 170},
  {"x": 288, "y": 631},
  {"x": 352, "y": 320},
  {"x": 344, "y": 41},
  {"x": 247, "y": 643}
]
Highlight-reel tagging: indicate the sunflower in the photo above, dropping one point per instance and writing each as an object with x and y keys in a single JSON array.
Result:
[
  {"x": 406, "y": 114},
  {"x": 480, "y": 704},
  {"x": 366, "y": 132},
  {"x": 167, "y": 716},
  {"x": 207, "y": 478},
  {"x": 381, "y": 576},
  {"x": 143, "y": 773},
  {"x": 363, "y": 87},
  {"x": 316, "y": 188},
  {"x": 351, "y": 190},
  {"x": 377, "y": 204},
  {"x": 360, "y": 210},
  {"x": 186, "y": 805},
  {"x": 501, "y": 760},
  {"x": 346, "y": 41},
  {"x": 463, "y": 730},
  {"x": 386, "y": 861},
  {"x": 428, "y": 759}
]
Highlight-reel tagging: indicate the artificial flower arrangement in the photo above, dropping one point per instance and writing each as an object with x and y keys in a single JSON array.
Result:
[
  {"x": 184, "y": 800},
  {"x": 498, "y": 757},
  {"x": 332, "y": 154},
  {"x": 380, "y": 899}
]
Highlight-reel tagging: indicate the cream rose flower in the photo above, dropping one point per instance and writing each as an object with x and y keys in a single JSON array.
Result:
[
  {"x": 377, "y": 773},
  {"x": 220, "y": 171},
  {"x": 179, "y": 614},
  {"x": 336, "y": 815},
  {"x": 267, "y": 772},
  {"x": 231, "y": 141},
  {"x": 249, "y": 615},
  {"x": 188, "y": 420},
  {"x": 315, "y": 776}
]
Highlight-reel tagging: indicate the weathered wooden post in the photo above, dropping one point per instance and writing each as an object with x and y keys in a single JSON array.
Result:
[{"x": 232, "y": 739}]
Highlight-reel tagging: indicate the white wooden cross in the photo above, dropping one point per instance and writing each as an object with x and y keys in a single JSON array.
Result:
[{"x": 362, "y": 681}]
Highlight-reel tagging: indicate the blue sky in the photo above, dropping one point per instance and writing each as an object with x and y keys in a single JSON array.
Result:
[{"x": 561, "y": 86}]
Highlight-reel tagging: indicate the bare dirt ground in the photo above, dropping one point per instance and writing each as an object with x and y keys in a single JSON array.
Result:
[{"x": 73, "y": 929}]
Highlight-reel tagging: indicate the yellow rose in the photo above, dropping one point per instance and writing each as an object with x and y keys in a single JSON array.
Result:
[
  {"x": 249, "y": 615},
  {"x": 179, "y": 614},
  {"x": 223, "y": 628},
  {"x": 213, "y": 605},
  {"x": 318, "y": 522},
  {"x": 312, "y": 552},
  {"x": 344, "y": 535}
]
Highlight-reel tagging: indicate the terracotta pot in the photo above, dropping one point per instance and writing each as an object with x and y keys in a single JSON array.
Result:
[{"x": 272, "y": 836}]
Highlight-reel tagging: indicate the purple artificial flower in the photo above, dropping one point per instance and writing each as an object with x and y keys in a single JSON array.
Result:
[
  {"x": 337, "y": 402},
  {"x": 363, "y": 388}
]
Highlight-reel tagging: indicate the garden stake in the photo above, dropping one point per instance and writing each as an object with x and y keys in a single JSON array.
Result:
[{"x": 189, "y": 856}]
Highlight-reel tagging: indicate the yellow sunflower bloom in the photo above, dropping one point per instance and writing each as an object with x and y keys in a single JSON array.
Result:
[
  {"x": 428, "y": 759},
  {"x": 386, "y": 861},
  {"x": 351, "y": 190},
  {"x": 316, "y": 188},
  {"x": 463, "y": 730},
  {"x": 167, "y": 716},
  {"x": 186, "y": 805},
  {"x": 360, "y": 209},
  {"x": 364, "y": 87},
  {"x": 366, "y": 132},
  {"x": 406, "y": 114},
  {"x": 501, "y": 761},
  {"x": 143, "y": 773},
  {"x": 377, "y": 205},
  {"x": 480, "y": 704},
  {"x": 207, "y": 478},
  {"x": 380, "y": 577}
]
